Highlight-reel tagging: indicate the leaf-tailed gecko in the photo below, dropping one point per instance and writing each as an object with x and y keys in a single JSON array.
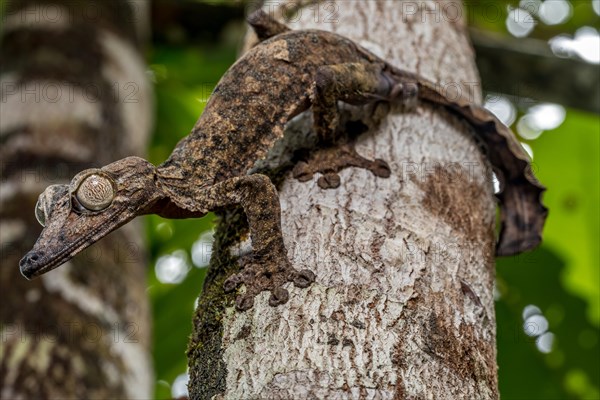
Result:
[{"x": 287, "y": 73}]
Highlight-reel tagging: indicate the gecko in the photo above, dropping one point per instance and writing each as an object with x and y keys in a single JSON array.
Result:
[{"x": 286, "y": 73}]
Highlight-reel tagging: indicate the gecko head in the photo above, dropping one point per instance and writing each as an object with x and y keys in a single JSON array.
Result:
[{"x": 95, "y": 203}]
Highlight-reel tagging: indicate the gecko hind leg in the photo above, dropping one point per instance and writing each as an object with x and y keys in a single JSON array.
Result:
[
  {"x": 268, "y": 268},
  {"x": 354, "y": 83},
  {"x": 265, "y": 26}
]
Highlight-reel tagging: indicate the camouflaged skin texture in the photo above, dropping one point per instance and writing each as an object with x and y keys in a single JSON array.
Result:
[{"x": 287, "y": 73}]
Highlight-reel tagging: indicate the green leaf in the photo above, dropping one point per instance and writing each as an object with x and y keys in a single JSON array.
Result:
[{"x": 567, "y": 163}]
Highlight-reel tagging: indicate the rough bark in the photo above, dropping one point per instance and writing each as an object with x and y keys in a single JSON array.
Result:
[
  {"x": 403, "y": 302},
  {"x": 74, "y": 95}
]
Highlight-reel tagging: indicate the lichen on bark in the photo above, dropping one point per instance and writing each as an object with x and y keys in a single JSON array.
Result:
[{"x": 205, "y": 350}]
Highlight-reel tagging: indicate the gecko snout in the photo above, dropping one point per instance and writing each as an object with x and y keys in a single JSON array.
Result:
[{"x": 29, "y": 264}]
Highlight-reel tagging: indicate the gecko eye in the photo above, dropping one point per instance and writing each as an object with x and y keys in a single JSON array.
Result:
[
  {"x": 40, "y": 212},
  {"x": 95, "y": 192}
]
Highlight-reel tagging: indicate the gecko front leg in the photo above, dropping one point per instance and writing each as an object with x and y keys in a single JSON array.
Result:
[
  {"x": 269, "y": 267},
  {"x": 354, "y": 83}
]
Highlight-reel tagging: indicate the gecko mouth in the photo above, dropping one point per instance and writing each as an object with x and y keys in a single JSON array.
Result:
[
  {"x": 37, "y": 262},
  {"x": 30, "y": 264},
  {"x": 34, "y": 263}
]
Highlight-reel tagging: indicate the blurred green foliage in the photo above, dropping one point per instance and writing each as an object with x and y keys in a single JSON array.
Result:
[
  {"x": 562, "y": 277},
  {"x": 490, "y": 15},
  {"x": 184, "y": 78}
]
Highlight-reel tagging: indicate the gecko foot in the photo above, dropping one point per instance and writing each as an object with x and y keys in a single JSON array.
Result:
[
  {"x": 330, "y": 161},
  {"x": 266, "y": 272}
]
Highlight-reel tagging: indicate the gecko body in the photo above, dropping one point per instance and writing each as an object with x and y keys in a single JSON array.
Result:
[{"x": 284, "y": 75}]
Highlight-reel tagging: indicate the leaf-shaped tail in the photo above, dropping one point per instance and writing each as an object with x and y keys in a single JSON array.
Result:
[{"x": 522, "y": 211}]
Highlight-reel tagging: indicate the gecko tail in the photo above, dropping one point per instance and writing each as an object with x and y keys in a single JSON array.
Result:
[
  {"x": 523, "y": 216},
  {"x": 522, "y": 212}
]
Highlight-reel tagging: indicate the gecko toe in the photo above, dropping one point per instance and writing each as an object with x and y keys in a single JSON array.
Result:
[
  {"x": 232, "y": 283},
  {"x": 243, "y": 303},
  {"x": 279, "y": 296},
  {"x": 302, "y": 172},
  {"x": 267, "y": 270},
  {"x": 329, "y": 181},
  {"x": 304, "y": 278},
  {"x": 381, "y": 169}
]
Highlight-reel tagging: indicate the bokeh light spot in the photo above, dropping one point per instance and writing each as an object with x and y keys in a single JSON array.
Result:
[
  {"x": 202, "y": 250},
  {"x": 164, "y": 230},
  {"x": 528, "y": 149},
  {"x": 544, "y": 342},
  {"x": 172, "y": 268},
  {"x": 526, "y": 128},
  {"x": 585, "y": 45},
  {"x": 496, "y": 183},
  {"x": 502, "y": 108},
  {"x": 555, "y": 12},
  {"x": 547, "y": 116},
  {"x": 535, "y": 325},
  {"x": 179, "y": 388},
  {"x": 519, "y": 22},
  {"x": 530, "y": 310}
]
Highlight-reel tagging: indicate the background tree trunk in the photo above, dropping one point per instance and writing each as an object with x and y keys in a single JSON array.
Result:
[
  {"x": 403, "y": 302},
  {"x": 74, "y": 95}
]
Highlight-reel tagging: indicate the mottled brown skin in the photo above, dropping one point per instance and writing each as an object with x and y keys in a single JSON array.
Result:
[{"x": 284, "y": 75}]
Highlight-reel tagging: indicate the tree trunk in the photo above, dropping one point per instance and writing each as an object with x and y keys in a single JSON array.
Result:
[
  {"x": 74, "y": 95},
  {"x": 402, "y": 306}
]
